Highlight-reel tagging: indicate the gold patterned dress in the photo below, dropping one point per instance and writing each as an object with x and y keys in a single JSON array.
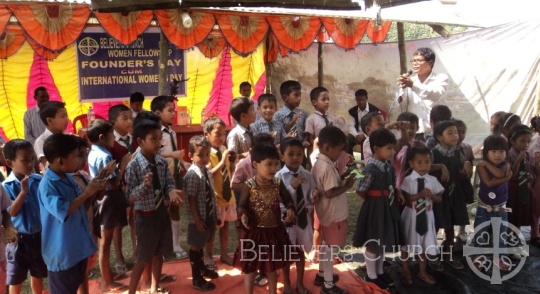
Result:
[{"x": 266, "y": 246}]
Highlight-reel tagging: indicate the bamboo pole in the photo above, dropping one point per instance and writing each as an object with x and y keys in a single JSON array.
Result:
[
  {"x": 401, "y": 48},
  {"x": 163, "y": 58},
  {"x": 320, "y": 72}
]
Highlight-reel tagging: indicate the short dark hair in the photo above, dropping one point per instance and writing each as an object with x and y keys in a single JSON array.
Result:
[
  {"x": 518, "y": 131},
  {"x": 81, "y": 142},
  {"x": 136, "y": 97},
  {"x": 285, "y": 143},
  {"x": 144, "y": 127},
  {"x": 59, "y": 146},
  {"x": 360, "y": 92},
  {"x": 262, "y": 138},
  {"x": 460, "y": 123},
  {"x": 11, "y": 148},
  {"x": 159, "y": 102},
  {"x": 439, "y": 113},
  {"x": 211, "y": 122},
  {"x": 331, "y": 136},
  {"x": 39, "y": 89},
  {"x": 238, "y": 106},
  {"x": 98, "y": 127},
  {"x": 288, "y": 86},
  {"x": 498, "y": 116},
  {"x": 493, "y": 142},
  {"x": 428, "y": 54},
  {"x": 418, "y": 149},
  {"x": 198, "y": 141},
  {"x": 264, "y": 151},
  {"x": 366, "y": 119},
  {"x": 146, "y": 115},
  {"x": 314, "y": 94},
  {"x": 439, "y": 128},
  {"x": 115, "y": 110},
  {"x": 381, "y": 138},
  {"x": 267, "y": 97},
  {"x": 244, "y": 84},
  {"x": 49, "y": 109},
  {"x": 409, "y": 117}
]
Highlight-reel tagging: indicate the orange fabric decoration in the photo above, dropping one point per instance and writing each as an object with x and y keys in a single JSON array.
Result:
[
  {"x": 323, "y": 35},
  {"x": 170, "y": 21},
  {"x": 5, "y": 15},
  {"x": 125, "y": 26},
  {"x": 376, "y": 33},
  {"x": 11, "y": 40},
  {"x": 243, "y": 32},
  {"x": 53, "y": 26},
  {"x": 44, "y": 52},
  {"x": 272, "y": 49},
  {"x": 212, "y": 45},
  {"x": 345, "y": 32},
  {"x": 294, "y": 32}
]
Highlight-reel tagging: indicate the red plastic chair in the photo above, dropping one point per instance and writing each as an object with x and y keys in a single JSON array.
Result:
[{"x": 83, "y": 120}]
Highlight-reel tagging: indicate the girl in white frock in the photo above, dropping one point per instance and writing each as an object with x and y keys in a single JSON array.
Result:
[{"x": 417, "y": 221}]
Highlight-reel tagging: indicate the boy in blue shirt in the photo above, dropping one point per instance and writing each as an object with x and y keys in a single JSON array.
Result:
[
  {"x": 240, "y": 138},
  {"x": 66, "y": 238},
  {"x": 150, "y": 186},
  {"x": 22, "y": 188},
  {"x": 291, "y": 117},
  {"x": 112, "y": 207}
]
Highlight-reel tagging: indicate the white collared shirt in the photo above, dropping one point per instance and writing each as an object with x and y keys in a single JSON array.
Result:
[{"x": 352, "y": 122}]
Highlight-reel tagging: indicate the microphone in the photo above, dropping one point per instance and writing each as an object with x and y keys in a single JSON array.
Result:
[{"x": 409, "y": 73}]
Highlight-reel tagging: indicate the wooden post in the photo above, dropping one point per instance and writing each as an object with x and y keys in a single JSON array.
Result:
[
  {"x": 320, "y": 73},
  {"x": 268, "y": 68},
  {"x": 163, "y": 58},
  {"x": 402, "y": 50}
]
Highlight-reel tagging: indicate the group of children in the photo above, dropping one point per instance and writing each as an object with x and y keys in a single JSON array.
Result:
[{"x": 255, "y": 176}]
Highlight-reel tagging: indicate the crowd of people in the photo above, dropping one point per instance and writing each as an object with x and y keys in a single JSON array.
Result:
[{"x": 280, "y": 175}]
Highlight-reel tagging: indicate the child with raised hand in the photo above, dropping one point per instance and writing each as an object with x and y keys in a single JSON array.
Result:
[
  {"x": 379, "y": 215},
  {"x": 21, "y": 187},
  {"x": 452, "y": 211},
  {"x": 494, "y": 172},
  {"x": 520, "y": 195},
  {"x": 221, "y": 167},
  {"x": 292, "y": 117},
  {"x": 417, "y": 220},
  {"x": 260, "y": 216},
  {"x": 112, "y": 207},
  {"x": 373, "y": 121},
  {"x": 300, "y": 184},
  {"x": 82, "y": 178},
  {"x": 332, "y": 204},
  {"x": 150, "y": 186},
  {"x": 202, "y": 210},
  {"x": 66, "y": 239}
]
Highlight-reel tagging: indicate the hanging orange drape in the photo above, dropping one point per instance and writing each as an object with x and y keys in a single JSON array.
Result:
[
  {"x": 376, "y": 33},
  {"x": 53, "y": 26},
  {"x": 345, "y": 32},
  {"x": 5, "y": 15},
  {"x": 323, "y": 35},
  {"x": 294, "y": 32},
  {"x": 243, "y": 32},
  {"x": 125, "y": 26},
  {"x": 11, "y": 40},
  {"x": 44, "y": 52},
  {"x": 170, "y": 21},
  {"x": 212, "y": 45}
]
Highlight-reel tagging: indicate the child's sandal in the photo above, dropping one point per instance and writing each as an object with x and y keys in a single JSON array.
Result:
[
  {"x": 428, "y": 279},
  {"x": 406, "y": 279}
]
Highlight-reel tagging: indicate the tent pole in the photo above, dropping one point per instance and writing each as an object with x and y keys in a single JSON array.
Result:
[
  {"x": 401, "y": 48},
  {"x": 268, "y": 67},
  {"x": 163, "y": 58},
  {"x": 320, "y": 73}
]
